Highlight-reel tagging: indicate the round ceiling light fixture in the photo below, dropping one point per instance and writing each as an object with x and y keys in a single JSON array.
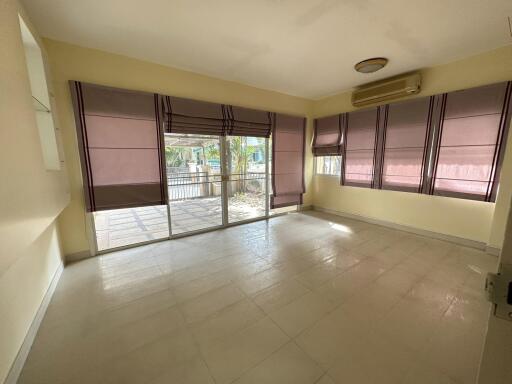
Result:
[{"x": 371, "y": 65}]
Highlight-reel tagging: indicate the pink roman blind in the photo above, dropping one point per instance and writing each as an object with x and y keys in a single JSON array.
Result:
[
  {"x": 249, "y": 122},
  {"x": 194, "y": 116},
  {"x": 360, "y": 147},
  {"x": 406, "y": 134},
  {"x": 327, "y": 137},
  {"x": 205, "y": 118},
  {"x": 288, "y": 140},
  {"x": 472, "y": 130},
  {"x": 120, "y": 141}
]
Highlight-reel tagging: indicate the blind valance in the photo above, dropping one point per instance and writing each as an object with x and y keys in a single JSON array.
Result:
[
  {"x": 204, "y": 118},
  {"x": 194, "y": 117},
  {"x": 249, "y": 122}
]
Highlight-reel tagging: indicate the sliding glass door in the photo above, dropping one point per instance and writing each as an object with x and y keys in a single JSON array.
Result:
[
  {"x": 156, "y": 166},
  {"x": 194, "y": 170},
  {"x": 212, "y": 182},
  {"x": 246, "y": 178}
]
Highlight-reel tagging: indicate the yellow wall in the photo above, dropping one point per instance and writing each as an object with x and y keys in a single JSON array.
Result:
[
  {"x": 31, "y": 197},
  {"x": 70, "y": 62},
  {"x": 472, "y": 220},
  {"x": 466, "y": 219}
]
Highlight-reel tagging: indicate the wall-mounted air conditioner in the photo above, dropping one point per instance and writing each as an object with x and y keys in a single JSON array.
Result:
[{"x": 385, "y": 90}]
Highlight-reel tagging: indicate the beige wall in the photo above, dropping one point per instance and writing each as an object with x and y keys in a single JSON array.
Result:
[
  {"x": 31, "y": 198},
  {"x": 70, "y": 62},
  {"x": 476, "y": 221},
  {"x": 472, "y": 220}
]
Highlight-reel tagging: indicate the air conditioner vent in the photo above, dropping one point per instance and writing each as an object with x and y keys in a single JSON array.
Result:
[{"x": 386, "y": 90}]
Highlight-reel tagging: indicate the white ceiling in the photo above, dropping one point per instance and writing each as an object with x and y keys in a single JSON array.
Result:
[{"x": 300, "y": 47}]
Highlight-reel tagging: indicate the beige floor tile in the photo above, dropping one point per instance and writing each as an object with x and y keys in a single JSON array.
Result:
[
  {"x": 288, "y": 365},
  {"x": 229, "y": 358},
  {"x": 343, "y": 286},
  {"x": 151, "y": 360},
  {"x": 422, "y": 374},
  {"x": 301, "y": 313},
  {"x": 325, "y": 379},
  {"x": 319, "y": 274},
  {"x": 118, "y": 340},
  {"x": 213, "y": 301},
  {"x": 346, "y": 260},
  {"x": 410, "y": 324},
  {"x": 137, "y": 309},
  {"x": 192, "y": 371},
  {"x": 397, "y": 280},
  {"x": 202, "y": 285},
  {"x": 256, "y": 283},
  {"x": 331, "y": 337},
  {"x": 433, "y": 295},
  {"x": 227, "y": 322},
  {"x": 370, "y": 306},
  {"x": 455, "y": 349},
  {"x": 372, "y": 361},
  {"x": 278, "y": 295}
]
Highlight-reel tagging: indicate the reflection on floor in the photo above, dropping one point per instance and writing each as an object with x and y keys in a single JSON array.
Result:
[
  {"x": 301, "y": 298},
  {"x": 121, "y": 227}
]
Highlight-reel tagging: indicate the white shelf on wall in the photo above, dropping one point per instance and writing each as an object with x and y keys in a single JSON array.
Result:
[
  {"x": 39, "y": 106},
  {"x": 41, "y": 100}
]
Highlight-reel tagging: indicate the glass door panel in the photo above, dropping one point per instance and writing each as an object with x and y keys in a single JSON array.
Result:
[
  {"x": 194, "y": 182},
  {"x": 246, "y": 178}
]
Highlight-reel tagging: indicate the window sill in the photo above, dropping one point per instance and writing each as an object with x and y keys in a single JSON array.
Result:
[{"x": 326, "y": 175}]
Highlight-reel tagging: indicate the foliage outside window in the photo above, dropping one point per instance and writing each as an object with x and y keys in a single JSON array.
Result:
[{"x": 328, "y": 165}]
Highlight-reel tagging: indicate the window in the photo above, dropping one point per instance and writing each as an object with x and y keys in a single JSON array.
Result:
[
  {"x": 405, "y": 144},
  {"x": 448, "y": 145},
  {"x": 328, "y": 165},
  {"x": 471, "y": 133}
]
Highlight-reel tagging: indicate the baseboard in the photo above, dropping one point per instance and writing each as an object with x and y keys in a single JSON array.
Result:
[
  {"x": 417, "y": 231},
  {"x": 21, "y": 357},
  {"x": 77, "y": 256},
  {"x": 305, "y": 208},
  {"x": 495, "y": 251}
]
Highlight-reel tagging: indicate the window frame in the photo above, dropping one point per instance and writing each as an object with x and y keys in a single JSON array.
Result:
[{"x": 315, "y": 165}]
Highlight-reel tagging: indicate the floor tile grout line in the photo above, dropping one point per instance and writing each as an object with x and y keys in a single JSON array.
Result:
[{"x": 196, "y": 343}]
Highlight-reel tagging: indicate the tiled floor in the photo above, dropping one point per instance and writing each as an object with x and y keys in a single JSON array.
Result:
[
  {"x": 302, "y": 298},
  {"x": 120, "y": 227}
]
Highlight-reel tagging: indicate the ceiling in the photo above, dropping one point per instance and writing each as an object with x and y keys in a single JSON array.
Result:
[{"x": 299, "y": 47}]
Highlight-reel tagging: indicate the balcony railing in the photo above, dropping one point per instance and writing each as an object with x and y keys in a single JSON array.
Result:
[{"x": 193, "y": 185}]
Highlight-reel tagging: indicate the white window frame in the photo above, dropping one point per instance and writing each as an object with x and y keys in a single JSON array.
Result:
[{"x": 326, "y": 174}]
